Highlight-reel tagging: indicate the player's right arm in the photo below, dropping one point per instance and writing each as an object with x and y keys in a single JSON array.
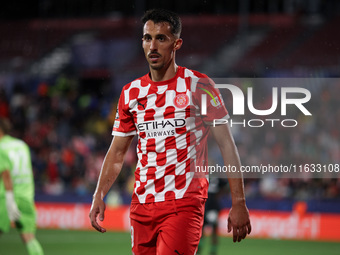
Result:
[
  {"x": 111, "y": 168},
  {"x": 11, "y": 205},
  {"x": 5, "y": 176}
]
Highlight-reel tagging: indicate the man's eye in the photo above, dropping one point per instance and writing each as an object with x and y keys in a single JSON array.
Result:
[{"x": 161, "y": 39}]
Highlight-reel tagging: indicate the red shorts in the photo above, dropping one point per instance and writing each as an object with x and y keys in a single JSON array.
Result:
[{"x": 167, "y": 228}]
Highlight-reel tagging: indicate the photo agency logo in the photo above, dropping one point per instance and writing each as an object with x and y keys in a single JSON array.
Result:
[
  {"x": 281, "y": 125},
  {"x": 278, "y": 100}
]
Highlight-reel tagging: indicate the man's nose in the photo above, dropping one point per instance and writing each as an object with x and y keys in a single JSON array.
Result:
[{"x": 153, "y": 45}]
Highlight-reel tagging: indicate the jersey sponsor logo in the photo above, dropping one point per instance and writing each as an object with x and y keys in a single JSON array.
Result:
[
  {"x": 181, "y": 100},
  {"x": 160, "y": 133},
  {"x": 163, "y": 124}
]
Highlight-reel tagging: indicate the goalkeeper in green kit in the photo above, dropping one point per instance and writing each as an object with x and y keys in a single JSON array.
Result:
[{"x": 17, "y": 189}]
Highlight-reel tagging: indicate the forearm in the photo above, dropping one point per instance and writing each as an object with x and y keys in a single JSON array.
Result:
[
  {"x": 6, "y": 177},
  {"x": 11, "y": 206},
  {"x": 111, "y": 166},
  {"x": 225, "y": 141},
  {"x": 235, "y": 179},
  {"x": 108, "y": 174}
]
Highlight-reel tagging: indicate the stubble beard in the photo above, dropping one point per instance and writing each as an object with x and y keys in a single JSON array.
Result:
[{"x": 157, "y": 67}]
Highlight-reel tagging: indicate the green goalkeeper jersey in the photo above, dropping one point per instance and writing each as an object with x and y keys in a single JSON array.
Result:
[{"x": 15, "y": 156}]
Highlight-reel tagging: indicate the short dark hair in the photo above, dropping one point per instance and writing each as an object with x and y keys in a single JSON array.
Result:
[
  {"x": 161, "y": 15},
  {"x": 5, "y": 125}
]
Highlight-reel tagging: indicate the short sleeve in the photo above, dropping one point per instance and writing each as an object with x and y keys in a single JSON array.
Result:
[{"x": 124, "y": 123}]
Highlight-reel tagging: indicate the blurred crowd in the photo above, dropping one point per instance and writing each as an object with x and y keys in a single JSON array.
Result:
[{"x": 68, "y": 130}]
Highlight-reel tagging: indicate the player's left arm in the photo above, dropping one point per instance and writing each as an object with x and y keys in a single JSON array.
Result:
[{"x": 238, "y": 219}]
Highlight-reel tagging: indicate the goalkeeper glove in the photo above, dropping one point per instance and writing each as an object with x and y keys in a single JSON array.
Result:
[{"x": 12, "y": 208}]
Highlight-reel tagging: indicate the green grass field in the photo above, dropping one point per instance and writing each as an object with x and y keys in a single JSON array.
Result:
[{"x": 69, "y": 242}]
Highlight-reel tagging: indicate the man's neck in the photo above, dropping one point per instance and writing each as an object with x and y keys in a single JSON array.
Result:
[{"x": 164, "y": 74}]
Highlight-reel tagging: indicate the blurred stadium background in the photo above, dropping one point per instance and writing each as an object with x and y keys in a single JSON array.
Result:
[{"x": 63, "y": 64}]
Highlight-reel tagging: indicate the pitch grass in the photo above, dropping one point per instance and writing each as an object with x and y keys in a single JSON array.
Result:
[{"x": 70, "y": 242}]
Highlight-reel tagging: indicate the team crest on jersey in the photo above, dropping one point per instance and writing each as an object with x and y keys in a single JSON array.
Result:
[{"x": 181, "y": 100}]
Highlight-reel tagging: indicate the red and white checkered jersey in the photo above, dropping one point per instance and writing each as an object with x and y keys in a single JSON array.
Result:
[{"x": 172, "y": 134}]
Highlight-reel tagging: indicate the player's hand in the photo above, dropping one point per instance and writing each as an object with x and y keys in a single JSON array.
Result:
[
  {"x": 239, "y": 222},
  {"x": 12, "y": 208},
  {"x": 97, "y": 208}
]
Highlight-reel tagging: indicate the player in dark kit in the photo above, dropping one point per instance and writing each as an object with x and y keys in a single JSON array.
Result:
[
  {"x": 212, "y": 210},
  {"x": 163, "y": 109}
]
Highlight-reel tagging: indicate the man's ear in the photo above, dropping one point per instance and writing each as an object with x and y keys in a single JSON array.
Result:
[{"x": 178, "y": 43}]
